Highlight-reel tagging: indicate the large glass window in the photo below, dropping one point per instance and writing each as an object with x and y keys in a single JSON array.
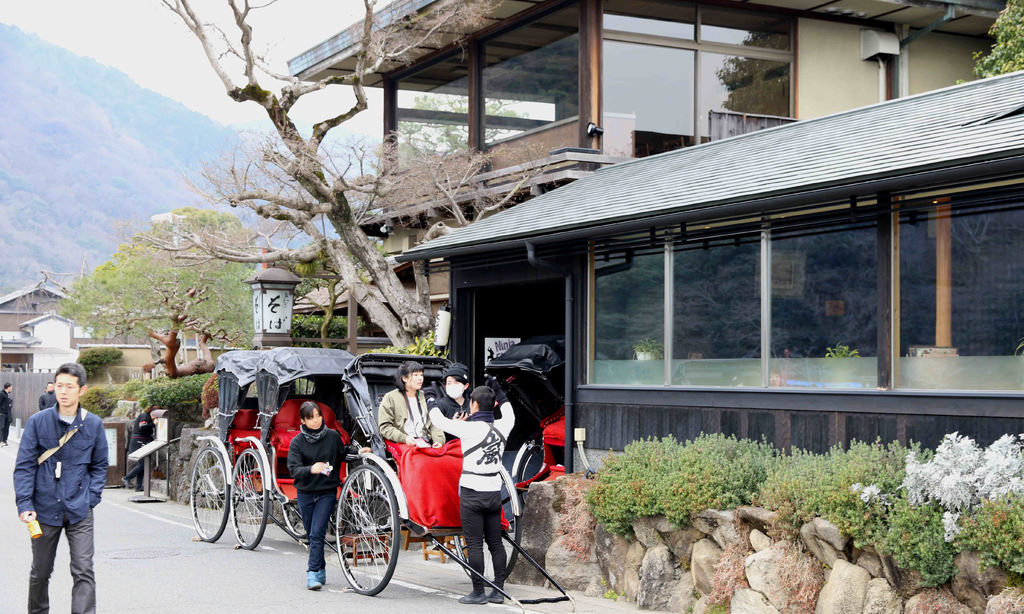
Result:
[
  {"x": 654, "y": 17},
  {"x": 744, "y": 85},
  {"x": 960, "y": 288},
  {"x": 664, "y": 88},
  {"x": 743, "y": 28},
  {"x": 716, "y": 320},
  {"x": 629, "y": 319},
  {"x": 823, "y": 310},
  {"x": 637, "y": 122},
  {"x": 531, "y": 76},
  {"x": 433, "y": 107}
]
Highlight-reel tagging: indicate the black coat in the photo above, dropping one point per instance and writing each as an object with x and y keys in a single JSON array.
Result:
[
  {"x": 6, "y": 402},
  {"x": 47, "y": 400},
  {"x": 303, "y": 454},
  {"x": 142, "y": 432}
]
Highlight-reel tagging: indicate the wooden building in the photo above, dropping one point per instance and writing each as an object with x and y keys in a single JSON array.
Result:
[{"x": 845, "y": 276}]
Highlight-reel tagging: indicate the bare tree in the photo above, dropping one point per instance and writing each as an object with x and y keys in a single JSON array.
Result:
[{"x": 296, "y": 179}]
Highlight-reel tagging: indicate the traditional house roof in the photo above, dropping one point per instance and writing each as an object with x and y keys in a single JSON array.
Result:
[
  {"x": 961, "y": 132},
  {"x": 46, "y": 316},
  {"x": 10, "y": 300}
]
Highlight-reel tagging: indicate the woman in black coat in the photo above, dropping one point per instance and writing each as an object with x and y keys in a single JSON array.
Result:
[{"x": 315, "y": 456}]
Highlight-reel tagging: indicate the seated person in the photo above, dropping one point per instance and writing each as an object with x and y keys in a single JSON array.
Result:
[
  {"x": 402, "y": 417},
  {"x": 453, "y": 401}
]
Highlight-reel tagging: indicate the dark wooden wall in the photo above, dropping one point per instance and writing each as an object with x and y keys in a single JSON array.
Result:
[{"x": 612, "y": 426}]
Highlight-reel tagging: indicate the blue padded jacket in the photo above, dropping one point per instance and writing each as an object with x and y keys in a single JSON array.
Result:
[{"x": 83, "y": 467}]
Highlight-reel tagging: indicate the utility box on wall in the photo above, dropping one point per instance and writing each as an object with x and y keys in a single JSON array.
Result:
[{"x": 875, "y": 43}]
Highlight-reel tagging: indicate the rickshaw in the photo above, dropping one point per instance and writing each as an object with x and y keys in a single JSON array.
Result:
[
  {"x": 254, "y": 432},
  {"x": 532, "y": 373},
  {"x": 373, "y": 507}
]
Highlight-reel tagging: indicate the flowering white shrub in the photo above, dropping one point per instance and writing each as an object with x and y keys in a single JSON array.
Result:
[
  {"x": 961, "y": 475},
  {"x": 871, "y": 493}
]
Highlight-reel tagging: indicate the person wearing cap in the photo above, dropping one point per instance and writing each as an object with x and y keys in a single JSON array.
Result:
[{"x": 454, "y": 402}]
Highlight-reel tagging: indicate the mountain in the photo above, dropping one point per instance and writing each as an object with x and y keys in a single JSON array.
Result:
[{"x": 84, "y": 150}]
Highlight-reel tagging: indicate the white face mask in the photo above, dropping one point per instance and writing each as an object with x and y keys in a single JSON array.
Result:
[{"x": 455, "y": 390}]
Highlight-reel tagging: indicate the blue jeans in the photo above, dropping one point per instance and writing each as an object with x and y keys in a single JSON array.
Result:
[
  {"x": 316, "y": 512},
  {"x": 44, "y": 550}
]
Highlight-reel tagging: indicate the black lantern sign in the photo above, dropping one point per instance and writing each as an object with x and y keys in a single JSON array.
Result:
[{"x": 273, "y": 293}]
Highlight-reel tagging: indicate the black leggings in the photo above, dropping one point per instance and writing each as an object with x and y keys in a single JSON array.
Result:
[{"x": 481, "y": 520}]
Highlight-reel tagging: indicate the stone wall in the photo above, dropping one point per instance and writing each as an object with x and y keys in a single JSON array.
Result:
[{"x": 664, "y": 567}]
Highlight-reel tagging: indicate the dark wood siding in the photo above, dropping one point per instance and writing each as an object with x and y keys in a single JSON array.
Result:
[{"x": 612, "y": 426}]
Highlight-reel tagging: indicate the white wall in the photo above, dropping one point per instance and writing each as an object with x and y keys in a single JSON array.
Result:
[{"x": 53, "y": 333}]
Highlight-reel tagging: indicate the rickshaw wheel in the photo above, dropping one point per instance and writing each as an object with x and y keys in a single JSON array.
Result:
[
  {"x": 293, "y": 519},
  {"x": 515, "y": 531},
  {"x": 250, "y": 501},
  {"x": 529, "y": 460},
  {"x": 208, "y": 495},
  {"x": 367, "y": 530}
]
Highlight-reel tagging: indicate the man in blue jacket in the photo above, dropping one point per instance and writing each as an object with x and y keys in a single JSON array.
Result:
[{"x": 58, "y": 479}]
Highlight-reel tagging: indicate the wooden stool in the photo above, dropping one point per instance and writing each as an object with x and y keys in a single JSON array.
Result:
[
  {"x": 448, "y": 541},
  {"x": 407, "y": 539}
]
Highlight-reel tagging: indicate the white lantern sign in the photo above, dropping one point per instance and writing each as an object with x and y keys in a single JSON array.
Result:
[{"x": 273, "y": 293}]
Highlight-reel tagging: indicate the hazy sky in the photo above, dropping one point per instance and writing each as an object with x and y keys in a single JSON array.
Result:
[{"x": 150, "y": 44}]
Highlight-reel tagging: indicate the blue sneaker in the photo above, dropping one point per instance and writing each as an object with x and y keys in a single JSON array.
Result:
[
  {"x": 313, "y": 582},
  {"x": 321, "y": 576}
]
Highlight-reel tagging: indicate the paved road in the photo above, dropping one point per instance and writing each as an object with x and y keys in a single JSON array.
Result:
[{"x": 146, "y": 559}]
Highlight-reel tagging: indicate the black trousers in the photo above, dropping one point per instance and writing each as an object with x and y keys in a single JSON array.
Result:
[
  {"x": 5, "y": 425},
  {"x": 481, "y": 521}
]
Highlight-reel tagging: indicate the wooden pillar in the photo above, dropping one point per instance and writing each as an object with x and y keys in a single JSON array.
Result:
[
  {"x": 353, "y": 323},
  {"x": 943, "y": 276},
  {"x": 591, "y": 18},
  {"x": 884, "y": 289},
  {"x": 390, "y": 108},
  {"x": 477, "y": 107}
]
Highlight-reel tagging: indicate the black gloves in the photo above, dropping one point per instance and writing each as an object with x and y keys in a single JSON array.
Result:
[{"x": 499, "y": 394}]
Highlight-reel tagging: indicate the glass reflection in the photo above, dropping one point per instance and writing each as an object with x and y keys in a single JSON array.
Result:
[
  {"x": 744, "y": 85},
  {"x": 531, "y": 76},
  {"x": 717, "y": 316},
  {"x": 629, "y": 318},
  {"x": 638, "y": 124},
  {"x": 824, "y": 308},
  {"x": 746, "y": 29},
  {"x": 433, "y": 108},
  {"x": 961, "y": 313}
]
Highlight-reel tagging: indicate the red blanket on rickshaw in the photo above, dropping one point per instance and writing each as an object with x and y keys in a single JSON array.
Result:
[{"x": 430, "y": 480}]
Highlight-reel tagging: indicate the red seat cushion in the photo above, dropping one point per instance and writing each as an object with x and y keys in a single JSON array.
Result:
[
  {"x": 286, "y": 424},
  {"x": 245, "y": 419}
]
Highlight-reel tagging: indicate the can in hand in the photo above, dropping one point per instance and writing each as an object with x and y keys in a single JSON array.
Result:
[{"x": 34, "y": 531}]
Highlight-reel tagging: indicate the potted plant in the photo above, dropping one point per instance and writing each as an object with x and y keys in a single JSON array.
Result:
[
  {"x": 648, "y": 348},
  {"x": 842, "y": 351}
]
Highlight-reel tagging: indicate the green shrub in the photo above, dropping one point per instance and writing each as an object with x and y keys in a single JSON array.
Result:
[
  {"x": 132, "y": 389},
  {"x": 838, "y": 486},
  {"x": 422, "y": 346},
  {"x": 94, "y": 359},
  {"x": 627, "y": 485},
  {"x": 996, "y": 531},
  {"x": 182, "y": 396},
  {"x": 666, "y": 477},
  {"x": 100, "y": 400},
  {"x": 713, "y": 472},
  {"x": 916, "y": 539}
]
